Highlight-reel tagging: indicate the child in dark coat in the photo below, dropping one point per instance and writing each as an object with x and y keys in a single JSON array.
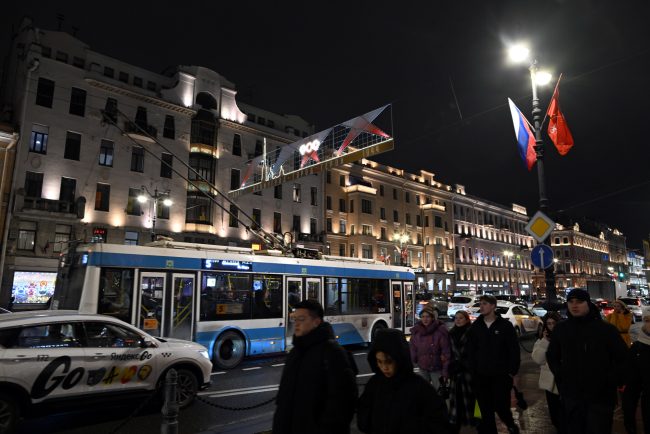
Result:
[{"x": 396, "y": 400}]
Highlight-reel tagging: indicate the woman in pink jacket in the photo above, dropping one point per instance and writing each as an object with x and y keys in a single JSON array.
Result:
[{"x": 430, "y": 347}]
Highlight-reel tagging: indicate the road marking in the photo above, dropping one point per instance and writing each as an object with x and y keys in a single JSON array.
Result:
[
  {"x": 360, "y": 354},
  {"x": 278, "y": 364},
  {"x": 252, "y": 369},
  {"x": 242, "y": 391},
  {"x": 218, "y": 373}
]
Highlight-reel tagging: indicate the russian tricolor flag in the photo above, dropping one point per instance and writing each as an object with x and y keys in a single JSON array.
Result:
[{"x": 525, "y": 137}]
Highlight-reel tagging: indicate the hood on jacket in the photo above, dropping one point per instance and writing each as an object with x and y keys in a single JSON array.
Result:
[{"x": 393, "y": 343}]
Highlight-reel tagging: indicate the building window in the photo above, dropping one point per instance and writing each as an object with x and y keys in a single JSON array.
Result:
[
  {"x": 407, "y": 197},
  {"x": 342, "y": 180},
  {"x": 137, "y": 81},
  {"x": 314, "y": 196},
  {"x": 342, "y": 227},
  {"x": 419, "y": 239},
  {"x": 77, "y": 102},
  {"x": 102, "y": 197},
  {"x": 328, "y": 224},
  {"x": 277, "y": 191},
  {"x": 342, "y": 205},
  {"x": 366, "y": 251},
  {"x": 418, "y": 220},
  {"x": 109, "y": 72},
  {"x": 61, "y": 237},
  {"x": 72, "y": 146},
  {"x": 38, "y": 141},
  {"x": 234, "y": 179},
  {"x": 203, "y": 164},
  {"x": 382, "y": 213},
  {"x": 46, "y": 51},
  {"x": 417, "y": 199},
  {"x": 351, "y": 206},
  {"x": 123, "y": 77},
  {"x": 45, "y": 92},
  {"x": 169, "y": 129},
  {"x": 199, "y": 209},
  {"x": 236, "y": 145},
  {"x": 366, "y": 229},
  {"x": 296, "y": 192},
  {"x": 565, "y": 240},
  {"x": 62, "y": 56},
  {"x": 277, "y": 222},
  {"x": 366, "y": 206},
  {"x": 110, "y": 109},
  {"x": 328, "y": 202},
  {"x": 352, "y": 252},
  {"x": 162, "y": 210},
  {"x": 151, "y": 86},
  {"x": 295, "y": 225},
  {"x": 141, "y": 118},
  {"x": 408, "y": 218},
  {"x": 131, "y": 238},
  {"x": 437, "y": 221},
  {"x": 381, "y": 190},
  {"x": 106, "y": 153},
  {"x": 395, "y": 216},
  {"x": 133, "y": 205},
  {"x": 313, "y": 226},
  {"x": 258, "y": 148},
  {"x": 395, "y": 193},
  {"x": 342, "y": 249},
  {"x": 137, "y": 159},
  {"x": 33, "y": 184},
  {"x": 233, "y": 220},
  {"x": 166, "y": 164},
  {"x": 257, "y": 217},
  {"x": 26, "y": 236},
  {"x": 426, "y": 221},
  {"x": 383, "y": 236},
  {"x": 328, "y": 176},
  {"x": 67, "y": 190}
]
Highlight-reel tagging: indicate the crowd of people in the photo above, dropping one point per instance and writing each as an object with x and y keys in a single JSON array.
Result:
[{"x": 466, "y": 374}]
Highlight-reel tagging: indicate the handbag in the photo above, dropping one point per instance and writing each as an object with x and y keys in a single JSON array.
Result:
[
  {"x": 521, "y": 401},
  {"x": 443, "y": 389}
]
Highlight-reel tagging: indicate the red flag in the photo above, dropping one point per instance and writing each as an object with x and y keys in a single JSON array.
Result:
[{"x": 558, "y": 130}]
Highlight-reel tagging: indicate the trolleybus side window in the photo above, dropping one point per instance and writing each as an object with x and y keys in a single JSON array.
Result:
[
  {"x": 225, "y": 296},
  {"x": 116, "y": 293},
  {"x": 267, "y": 296},
  {"x": 332, "y": 296},
  {"x": 356, "y": 296}
]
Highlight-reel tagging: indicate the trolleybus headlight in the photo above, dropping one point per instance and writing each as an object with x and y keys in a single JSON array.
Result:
[{"x": 204, "y": 353}]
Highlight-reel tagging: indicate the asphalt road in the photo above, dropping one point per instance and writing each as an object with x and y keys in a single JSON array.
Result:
[{"x": 255, "y": 382}]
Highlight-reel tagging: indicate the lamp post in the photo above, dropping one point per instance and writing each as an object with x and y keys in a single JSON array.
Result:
[
  {"x": 508, "y": 254},
  {"x": 156, "y": 196},
  {"x": 402, "y": 239},
  {"x": 518, "y": 54}
]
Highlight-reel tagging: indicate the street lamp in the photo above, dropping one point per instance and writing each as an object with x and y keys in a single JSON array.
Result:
[
  {"x": 520, "y": 53},
  {"x": 508, "y": 254},
  {"x": 156, "y": 196},
  {"x": 402, "y": 239}
]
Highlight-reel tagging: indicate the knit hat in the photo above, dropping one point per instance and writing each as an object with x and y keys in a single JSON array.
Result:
[
  {"x": 429, "y": 309},
  {"x": 646, "y": 312},
  {"x": 578, "y": 293}
]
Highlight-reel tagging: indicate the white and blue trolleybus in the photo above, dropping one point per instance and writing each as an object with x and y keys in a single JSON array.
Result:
[{"x": 235, "y": 301}]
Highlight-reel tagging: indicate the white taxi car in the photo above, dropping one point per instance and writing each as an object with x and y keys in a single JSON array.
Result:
[
  {"x": 523, "y": 320},
  {"x": 50, "y": 356}
]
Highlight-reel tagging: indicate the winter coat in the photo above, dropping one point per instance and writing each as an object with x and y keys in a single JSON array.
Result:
[
  {"x": 546, "y": 378},
  {"x": 637, "y": 384},
  {"x": 622, "y": 322},
  {"x": 587, "y": 356},
  {"x": 494, "y": 351},
  {"x": 430, "y": 347},
  {"x": 318, "y": 388},
  {"x": 403, "y": 404},
  {"x": 461, "y": 397}
]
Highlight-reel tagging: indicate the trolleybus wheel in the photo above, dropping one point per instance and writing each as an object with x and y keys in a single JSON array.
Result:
[{"x": 229, "y": 350}]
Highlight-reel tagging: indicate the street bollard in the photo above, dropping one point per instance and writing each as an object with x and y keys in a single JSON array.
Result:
[{"x": 170, "y": 406}]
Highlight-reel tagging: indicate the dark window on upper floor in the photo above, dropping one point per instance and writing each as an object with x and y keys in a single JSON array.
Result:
[
  {"x": 270, "y": 123},
  {"x": 102, "y": 197},
  {"x": 141, "y": 118},
  {"x": 342, "y": 207},
  {"x": 137, "y": 81},
  {"x": 234, "y": 179},
  {"x": 77, "y": 102},
  {"x": 395, "y": 193},
  {"x": 277, "y": 191},
  {"x": 133, "y": 205},
  {"x": 203, "y": 164},
  {"x": 261, "y": 120},
  {"x": 166, "y": 162},
  {"x": 106, "y": 153},
  {"x": 78, "y": 62},
  {"x": 437, "y": 221},
  {"x": 259, "y": 149},
  {"x": 314, "y": 196},
  {"x": 137, "y": 159},
  {"x": 257, "y": 217},
  {"x": 45, "y": 92},
  {"x": 233, "y": 217},
  {"x": 109, "y": 72},
  {"x": 33, "y": 184},
  {"x": 151, "y": 85},
  {"x": 169, "y": 129},
  {"x": 381, "y": 190},
  {"x": 395, "y": 216},
  {"x": 382, "y": 213},
  {"x": 328, "y": 202},
  {"x": 236, "y": 145},
  {"x": 110, "y": 109},
  {"x": 407, "y": 197},
  {"x": 46, "y": 51},
  {"x": 124, "y": 77},
  {"x": 72, "y": 146},
  {"x": 328, "y": 176},
  {"x": 62, "y": 56}
]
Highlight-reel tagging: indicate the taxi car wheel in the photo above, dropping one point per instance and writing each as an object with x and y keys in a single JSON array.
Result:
[
  {"x": 229, "y": 350},
  {"x": 8, "y": 414},
  {"x": 187, "y": 386}
]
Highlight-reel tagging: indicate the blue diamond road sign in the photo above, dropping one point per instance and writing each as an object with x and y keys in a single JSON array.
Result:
[{"x": 541, "y": 256}]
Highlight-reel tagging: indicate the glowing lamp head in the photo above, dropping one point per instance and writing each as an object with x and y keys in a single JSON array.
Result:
[
  {"x": 543, "y": 78},
  {"x": 167, "y": 202},
  {"x": 142, "y": 198},
  {"x": 518, "y": 53}
]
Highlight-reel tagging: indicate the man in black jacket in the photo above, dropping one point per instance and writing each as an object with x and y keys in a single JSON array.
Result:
[
  {"x": 318, "y": 389},
  {"x": 587, "y": 358},
  {"x": 493, "y": 354}
]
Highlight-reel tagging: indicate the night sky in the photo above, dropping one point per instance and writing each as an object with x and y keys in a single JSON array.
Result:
[{"x": 337, "y": 60}]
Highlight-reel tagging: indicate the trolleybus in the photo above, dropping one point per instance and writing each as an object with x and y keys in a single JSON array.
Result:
[{"x": 234, "y": 301}]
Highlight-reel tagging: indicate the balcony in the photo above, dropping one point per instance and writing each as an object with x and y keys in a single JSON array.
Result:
[
  {"x": 314, "y": 238},
  {"x": 135, "y": 131},
  {"x": 40, "y": 204}
]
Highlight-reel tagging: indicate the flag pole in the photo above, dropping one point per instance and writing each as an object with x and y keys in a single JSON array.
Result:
[{"x": 553, "y": 94}]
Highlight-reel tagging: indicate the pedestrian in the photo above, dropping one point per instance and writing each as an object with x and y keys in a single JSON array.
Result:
[
  {"x": 546, "y": 379},
  {"x": 461, "y": 397},
  {"x": 318, "y": 390},
  {"x": 493, "y": 350},
  {"x": 587, "y": 357},
  {"x": 638, "y": 379},
  {"x": 621, "y": 318},
  {"x": 396, "y": 400},
  {"x": 430, "y": 347}
]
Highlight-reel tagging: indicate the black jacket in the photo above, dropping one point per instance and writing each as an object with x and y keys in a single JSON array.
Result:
[
  {"x": 318, "y": 389},
  {"x": 493, "y": 351},
  {"x": 403, "y": 404},
  {"x": 587, "y": 358}
]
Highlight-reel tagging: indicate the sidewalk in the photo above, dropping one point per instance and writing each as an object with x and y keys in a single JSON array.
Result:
[{"x": 534, "y": 420}]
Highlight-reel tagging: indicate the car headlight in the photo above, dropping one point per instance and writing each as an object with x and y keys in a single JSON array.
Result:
[{"x": 204, "y": 353}]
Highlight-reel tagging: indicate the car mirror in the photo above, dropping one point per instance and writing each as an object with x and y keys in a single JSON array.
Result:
[{"x": 146, "y": 343}]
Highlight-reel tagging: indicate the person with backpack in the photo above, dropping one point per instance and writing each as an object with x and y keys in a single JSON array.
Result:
[
  {"x": 318, "y": 389},
  {"x": 430, "y": 347},
  {"x": 396, "y": 400}
]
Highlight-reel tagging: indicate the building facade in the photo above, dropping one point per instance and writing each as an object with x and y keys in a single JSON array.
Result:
[
  {"x": 97, "y": 133},
  {"x": 638, "y": 283},
  {"x": 492, "y": 246}
]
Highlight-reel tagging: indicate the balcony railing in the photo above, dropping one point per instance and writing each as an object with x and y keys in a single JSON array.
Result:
[
  {"x": 133, "y": 128},
  {"x": 40, "y": 204}
]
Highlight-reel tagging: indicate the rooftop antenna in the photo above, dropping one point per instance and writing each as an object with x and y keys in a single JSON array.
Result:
[{"x": 61, "y": 19}]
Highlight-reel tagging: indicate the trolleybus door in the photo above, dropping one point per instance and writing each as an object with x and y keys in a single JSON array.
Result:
[
  {"x": 298, "y": 289},
  {"x": 181, "y": 308},
  {"x": 409, "y": 307},
  {"x": 398, "y": 308},
  {"x": 151, "y": 292}
]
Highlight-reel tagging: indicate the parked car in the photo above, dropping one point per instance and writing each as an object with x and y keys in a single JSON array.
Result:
[
  {"x": 511, "y": 298},
  {"x": 636, "y": 305},
  {"x": 438, "y": 303},
  {"x": 460, "y": 302},
  {"x": 523, "y": 320},
  {"x": 68, "y": 359}
]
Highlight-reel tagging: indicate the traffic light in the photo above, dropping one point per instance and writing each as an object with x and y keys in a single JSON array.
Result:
[{"x": 621, "y": 276}]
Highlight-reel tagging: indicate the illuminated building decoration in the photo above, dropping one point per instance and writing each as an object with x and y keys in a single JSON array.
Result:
[{"x": 349, "y": 141}]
